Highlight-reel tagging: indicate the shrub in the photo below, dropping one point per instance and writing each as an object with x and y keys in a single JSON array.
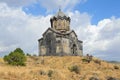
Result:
[
  {"x": 111, "y": 78},
  {"x": 28, "y": 54},
  {"x": 93, "y": 78},
  {"x": 42, "y": 72},
  {"x": 17, "y": 57},
  {"x": 84, "y": 60},
  {"x": 116, "y": 67},
  {"x": 74, "y": 68},
  {"x": 97, "y": 61},
  {"x": 88, "y": 58},
  {"x": 19, "y": 50},
  {"x": 50, "y": 72}
]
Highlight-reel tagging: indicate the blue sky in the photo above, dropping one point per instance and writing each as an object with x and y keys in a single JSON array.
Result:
[
  {"x": 98, "y": 9},
  {"x": 96, "y": 22},
  {"x": 35, "y": 9}
]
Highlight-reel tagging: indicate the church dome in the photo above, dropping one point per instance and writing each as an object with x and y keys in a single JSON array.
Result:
[
  {"x": 60, "y": 14},
  {"x": 60, "y": 21}
]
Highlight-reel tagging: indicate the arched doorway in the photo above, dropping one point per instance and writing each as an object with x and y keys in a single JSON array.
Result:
[{"x": 74, "y": 50}]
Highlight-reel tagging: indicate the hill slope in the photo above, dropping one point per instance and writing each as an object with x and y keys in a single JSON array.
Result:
[{"x": 59, "y": 68}]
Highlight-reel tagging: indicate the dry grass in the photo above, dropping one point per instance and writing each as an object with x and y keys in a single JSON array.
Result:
[{"x": 37, "y": 68}]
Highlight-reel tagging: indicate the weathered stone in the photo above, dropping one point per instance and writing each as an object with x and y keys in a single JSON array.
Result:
[{"x": 59, "y": 40}]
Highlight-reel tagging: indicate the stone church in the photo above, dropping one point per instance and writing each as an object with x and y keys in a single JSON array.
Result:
[{"x": 59, "y": 39}]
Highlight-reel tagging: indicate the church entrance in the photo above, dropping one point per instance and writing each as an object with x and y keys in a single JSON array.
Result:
[{"x": 74, "y": 51}]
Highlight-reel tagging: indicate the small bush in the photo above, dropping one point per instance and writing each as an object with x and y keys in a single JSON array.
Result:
[
  {"x": 97, "y": 62},
  {"x": 42, "y": 72},
  {"x": 50, "y": 72},
  {"x": 86, "y": 60},
  {"x": 93, "y": 78},
  {"x": 74, "y": 68},
  {"x": 111, "y": 78},
  {"x": 17, "y": 57},
  {"x": 28, "y": 54},
  {"x": 116, "y": 67}
]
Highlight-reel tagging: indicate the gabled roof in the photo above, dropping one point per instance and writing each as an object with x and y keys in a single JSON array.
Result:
[{"x": 57, "y": 32}]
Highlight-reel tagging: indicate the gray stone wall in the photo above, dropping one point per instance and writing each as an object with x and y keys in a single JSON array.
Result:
[{"x": 57, "y": 44}]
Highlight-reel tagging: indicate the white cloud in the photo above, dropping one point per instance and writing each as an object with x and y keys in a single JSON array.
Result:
[
  {"x": 50, "y": 5},
  {"x": 101, "y": 40},
  {"x": 18, "y": 3},
  {"x": 20, "y": 30},
  {"x": 55, "y": 4}
]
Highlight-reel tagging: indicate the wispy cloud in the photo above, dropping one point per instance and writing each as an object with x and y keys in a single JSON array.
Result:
[
  {"x": 55, "y": 4},
  {"x": 50, "y": 5},
  {"x": 18, "y": 3}
]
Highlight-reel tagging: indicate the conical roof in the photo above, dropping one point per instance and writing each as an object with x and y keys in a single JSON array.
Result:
[{"x": 60, "y": 14}]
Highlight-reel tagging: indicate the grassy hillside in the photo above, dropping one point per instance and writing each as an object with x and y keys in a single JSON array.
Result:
[{"x": 59, "y": 68}]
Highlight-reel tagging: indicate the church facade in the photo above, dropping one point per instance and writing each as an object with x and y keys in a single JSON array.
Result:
[{"x": 59, "y": 39}]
